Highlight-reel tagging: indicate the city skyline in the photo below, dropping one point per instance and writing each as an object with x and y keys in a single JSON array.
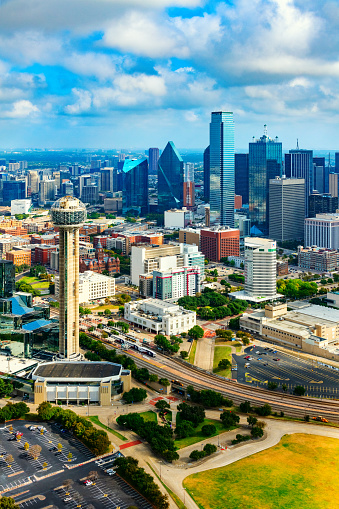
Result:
[{"x": 130, "y": 73}]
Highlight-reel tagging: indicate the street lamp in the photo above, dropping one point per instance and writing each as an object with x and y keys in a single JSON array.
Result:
[{"x": 160, "y": 463}]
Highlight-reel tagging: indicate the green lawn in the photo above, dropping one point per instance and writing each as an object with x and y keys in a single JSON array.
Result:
[
  {"x": 95, "y": 419},
  {"x": 191, "y": 356},
  {"x": 302, "y": 471},
  {"x": 149, "y": 416},
  {"x": 198, "y": 436},
  {"x": 222, "y": 352},
  {"x": 236, "y": 344},
  {"x": 104, "y": 306},
  {"x": 35, "y": 282}
]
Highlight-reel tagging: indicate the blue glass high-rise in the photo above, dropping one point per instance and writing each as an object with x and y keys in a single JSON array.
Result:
[
  {"x": 265, "y": 161},
  {"x": 135, "y": 186},
  {"x": 207, "y": 174},
  {"x": 222, "y": 168},
  {"x": 170, "y": 179},
  {"x": 13, "y": 190}
]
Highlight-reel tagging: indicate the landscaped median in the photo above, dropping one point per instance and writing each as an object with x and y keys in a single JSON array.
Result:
[{"x": 302, "y": 471}]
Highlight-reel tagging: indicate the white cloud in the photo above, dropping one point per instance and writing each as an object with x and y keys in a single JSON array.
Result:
[
  {"x": 83, "y": 102},
  {"x": 21, "y": 109},
  {"x": 190, "y": 116}
]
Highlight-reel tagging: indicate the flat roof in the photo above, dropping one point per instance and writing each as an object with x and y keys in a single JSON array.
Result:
[
  {"x": 80, "y": 369},
  {"x": 329, "y": 314}
]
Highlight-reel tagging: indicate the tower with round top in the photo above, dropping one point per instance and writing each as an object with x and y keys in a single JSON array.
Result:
[{"x": 68, "y": 215}]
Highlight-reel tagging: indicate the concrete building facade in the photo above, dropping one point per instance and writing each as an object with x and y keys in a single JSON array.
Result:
[
  {"x": 217, "y": 243},
  {"x": 176, "y": 283},
  {"x": 260, "y": 267},
  {"x": 286, "y": 209},
  {"x": 322, "y": 231}
]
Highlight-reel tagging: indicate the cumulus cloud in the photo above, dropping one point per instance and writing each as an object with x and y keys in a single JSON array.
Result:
[
  {"x": 21, "y": 109},
  {"x": 83, "y": 102}
]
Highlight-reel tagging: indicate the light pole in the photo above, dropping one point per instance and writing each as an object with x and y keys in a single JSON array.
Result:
[{"x": 160, "y": 463}]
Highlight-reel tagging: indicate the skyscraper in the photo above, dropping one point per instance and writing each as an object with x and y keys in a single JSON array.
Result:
[
  {"x": 170, "y": 179},
  {"x": 69, "y": 215},
  {"x": 299, "y": 165},
  {"x": 7, "y": 279},
  {"x": 153, "y": 158},
  {"x": 260, "y": 268},
  {"x": 222, "y": 168},
  {"x": 135, "y": 185},
  {"x": 107, "y": 180},
  {"x": 207, "y": 174},
  {"x": 13, "y": 190},
  {"x": 286, "y": 209},
  {"x": 265, "y": 160},
  {"x": 241, "y": 176}
]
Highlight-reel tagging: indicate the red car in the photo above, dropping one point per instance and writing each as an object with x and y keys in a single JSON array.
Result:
[{"x": 276, "y": 359}]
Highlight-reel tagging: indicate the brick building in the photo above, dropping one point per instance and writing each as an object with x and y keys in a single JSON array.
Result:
[
  {"x": 19, "y": 257},
  {"x": 42, "y": 254},
  {"x": 100, "y": 263},
  {"x": 218, "y": 243}
]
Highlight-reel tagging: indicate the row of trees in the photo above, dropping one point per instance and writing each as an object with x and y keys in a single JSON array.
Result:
[
  {"x": 207, "y": 451},
  {"x": 208, "y": 398},
  {"x": 13, "y": 411},
  {"x": 128, "y": 469},
  {"x": 159, "y": 437},
  {"x": 296, "y": 288},
  {"x": 96, "y": 440}
]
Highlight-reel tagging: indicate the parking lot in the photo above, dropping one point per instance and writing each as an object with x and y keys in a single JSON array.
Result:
[
  {"x": 262, "y": 367},
  {"x": 48, "y": 478}
]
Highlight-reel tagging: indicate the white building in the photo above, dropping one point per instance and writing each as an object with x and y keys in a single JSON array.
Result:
[
  {"x": 147, "y": 258},
  {"x": 177, "y": 218},
  {"x": 322, "y": 231},
  {"x": 20, "y": 206},
  {"x": 92, "y": 286},
  {"x": 176, "y": 283},
  {"x": 159, "y": 316}
]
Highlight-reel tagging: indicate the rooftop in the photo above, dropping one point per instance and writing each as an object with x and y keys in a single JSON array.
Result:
[{"x": 82, "y": 369}]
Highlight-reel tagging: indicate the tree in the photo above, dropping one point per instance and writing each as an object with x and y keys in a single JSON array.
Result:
[
  {"x": 197, "y": 455},
  {"x": 6, "y": 388},
  {"x": 183, "y": 354},
  {"x": 107, "y": 312},
  {"x": 196, "y": 332},
  {"x": 299, "y": 390},
  {"x": 45, "y": 411},
  {"x": 135, "y": 395},
  {"x": 245, "y": 407},
  {"x": 184, "y": 429},
  {"x": 68, "y": 483},
  {"x": 284, "y": 387},
  {"x": 69, "y": 456},
  {"x": 194, "y": 414},
  {"x": 162, "y": 405},
  {"x": 224, "y": 364},
  {"x": 44, "y": 465},
  {"x": 234, "y": 323},
  {"x": 59, "y": 447},
  {"x": 34, "y": 451},
  {"x": 208, "y": 430},
  {"x": 93, "y": 475},
  {"x": 165, "y": 382},
  {"x": 252, "y": 421},
  {"x": 272, "y": 386},
  {"x": 8, "y": 503},
  {"x": 9, "y": 459},
  {"x": 26, "y": 446},
  {"x": 209, "y": 449},
  {"x": 264, "y": 410},
  {"x": 153, "y": 378},
  {"x": 257, "y": 432},
  {"x": 229, "y": 419}
]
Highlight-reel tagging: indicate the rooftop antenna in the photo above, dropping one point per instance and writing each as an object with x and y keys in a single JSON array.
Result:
[
  {"x": 265, "y": 130},
  {"x": 297, "y": 144}
]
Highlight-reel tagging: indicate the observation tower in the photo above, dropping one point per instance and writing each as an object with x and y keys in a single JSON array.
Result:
[{"x": 68, "y": 215}]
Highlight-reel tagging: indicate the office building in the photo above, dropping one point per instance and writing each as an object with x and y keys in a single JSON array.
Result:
[
  {"x": 20, "y": 257},
  {"x": 147, "y": 258},
  {"x": 153, "y": 158},
  {"x": 146, "y": 285},
  {"x": 282, "y": 268},
  {"x": 190, "y": 236},
  {"x": 176, "y": 283},
  {"x": 13, "y": 190},
  {"x": 207, "y": 174},
  {"x": 336, "y": 168},
  {"x": 222, "y": 168},
  {"x": 260, "y": 267},
  {"x": 7, "y": 279},
  {"x": 108, "y": 175},
  {"x": 47, "y": 192},
  {"x": 322, "y": 231},
  {"x": 319, "y": 175},
  {"x": 178, "y": 218},
  {"x": 241, "y": 176},
  {"x": 217, "y": 243},
  {"x": 90, "y": 194},
  {"x": 299, "y": 165},
  {"x": 92, "y": 286},
  {"x": 33, "y": 181},
  {"x": 135, "y": 186},
  {"x": 265, "y": 159},
  {"x": 67, "y": 188},
  {"x": 159, "y": 316},
  {"x": 170, "y": 179},
  {"x": 189, "y": 194},
  {"x": 286, "y": 209},
  {"x": 322, "y": 204},
  {"x": 68, "y": 215},
  {"x": 333, "y": 184},
  {"x": 243, "y": 224},
  {"x": 20, "y": 207},
  {"x": 316, "y": 258}
]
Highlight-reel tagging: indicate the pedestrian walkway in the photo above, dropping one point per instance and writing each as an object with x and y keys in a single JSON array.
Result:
[{"x": 130, "y": 444}]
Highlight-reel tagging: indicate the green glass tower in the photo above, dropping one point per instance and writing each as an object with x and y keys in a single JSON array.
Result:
[
  {"x": 170, "y": 179},
  {"x": 7, "y": 279}
]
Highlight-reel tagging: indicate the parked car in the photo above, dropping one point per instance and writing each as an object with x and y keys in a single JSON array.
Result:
[{"x": 88, "y": 482}]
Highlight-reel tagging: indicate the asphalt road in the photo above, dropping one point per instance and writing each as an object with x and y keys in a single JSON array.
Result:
[
  {"x": 316, "y": 377},
  {"x": 107, "y": 492}
]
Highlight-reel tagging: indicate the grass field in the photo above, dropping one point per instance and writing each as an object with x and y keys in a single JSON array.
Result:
[
  {"x": 149, "y": 416},
  {"x": 191, "y": 356},
  {"x": 95, "y": 419},
  {"x": 302, "y": 471},
  {"x": 222, "y": 352},
  {"x": 105, "y": 306},
  {"x": 220, "y": 341},
  {"x": 198, "y": 436},
  {"x": 35, "y": 282}
]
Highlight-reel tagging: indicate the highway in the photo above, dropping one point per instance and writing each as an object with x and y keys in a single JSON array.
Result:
[{"x": 294, "y": 406}]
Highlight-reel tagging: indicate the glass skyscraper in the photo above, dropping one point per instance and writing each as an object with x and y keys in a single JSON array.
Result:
[
  {"x": 241, "y": 176},
  {"x": 7, "y": 279},
  {"x": 13, "y": 190},
  {"x": 207, "y": 174},
  {"x": 170, "y": 179},
  {"x": 135, "y": 186},
  {"x": 265, "y": 161},
  {"x": 222, "y": 168}
]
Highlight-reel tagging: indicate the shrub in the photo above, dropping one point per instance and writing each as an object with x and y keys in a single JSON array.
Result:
[
  {"x": 210, "y": 449},
  {"x": 257, "y": 432},
  {"x": 307, "y": 418},
  {"x": 229, "y": 419},
  {"x": 264, "y": 410},
  {"x": 299, "y": 390},
  {"x": 272, "y": 386},
  {"x": 184, "y": 429},
  {"x": 245, "y": 407},
  {"x": 135, "y": 395},
  {"x": 197, "y": 455},
  {"x": 208, "y": 430}
]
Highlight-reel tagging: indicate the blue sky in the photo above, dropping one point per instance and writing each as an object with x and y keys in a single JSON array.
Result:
[{"x": 137, "y": 73}]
